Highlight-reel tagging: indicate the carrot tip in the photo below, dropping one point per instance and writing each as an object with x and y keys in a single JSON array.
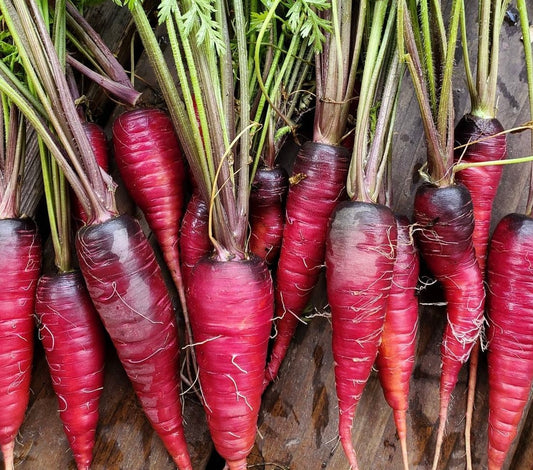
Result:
[
  {"x": 240, "y": 464},
  {"x": 8, "y": 453}
]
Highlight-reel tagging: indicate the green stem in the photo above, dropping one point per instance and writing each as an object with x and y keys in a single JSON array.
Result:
[
  {"x": 244, "y": 147},
  {"x": 375, "y": 53},
  {"x": 466, "y": 59},
  {"x": 507, "y": 161},
  {"x": 524, "y": 24},
  {"x": 445, "y": 113},
  {"x": 483, "y": 54}
]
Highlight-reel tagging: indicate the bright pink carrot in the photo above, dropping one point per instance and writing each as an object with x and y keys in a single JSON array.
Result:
[
  {"x": 267, "y": 203},
  {"x": 98, "y": 141},
  {"x": 317, "y": 185},
  {"x": 194, "y": 239},
  {"x": 231, "y": 307},
  {"x": 20, "y": 252},
  {"x": 396, "y": 355},
  {"x": 445, "y": 221},
  {"x": 73, "y": 341},
  {"x": 127, "y": 288},
  {"x": 150, "y": 163},
  {"x": 510, "y": 331},
  {"x": 482, "y": 182},
  {"x": 360, "y": 255}
]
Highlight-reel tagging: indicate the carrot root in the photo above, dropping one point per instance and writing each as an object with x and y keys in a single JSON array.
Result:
[
  {"x": 130, "y": 295},
  {"x": 316, "y": 187},
  {"x": 8, "y": 453},
  {"x": 231, "y": 304},
  {"x": 358, "y": 288}
]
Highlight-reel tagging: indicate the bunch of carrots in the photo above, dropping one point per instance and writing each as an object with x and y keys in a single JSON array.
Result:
[{"x": 244, "y": 235}]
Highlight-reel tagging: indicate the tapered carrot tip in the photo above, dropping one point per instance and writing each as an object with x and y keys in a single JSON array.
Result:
[
  {"x": 440, "y": 436},
  {"x": 183, "y": 461},
  {"x": 349, "y": 451},
  {"x": 7, "y": 452},
  {"x": 236, "y": 464},
  {"x": 400, "y": 420}
]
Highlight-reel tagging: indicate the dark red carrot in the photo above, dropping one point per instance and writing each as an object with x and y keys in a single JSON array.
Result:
[
  {"x": 510, "y": 331},
  {"x": 444, "y": 217},
  {"x": 194, "y": 239},
  {"x": 129, "y": 293},
  {"x": 73, "y": 341},
  {"x": 317, "y": 185},
  {"x": 149, "y": 160},
  {"x": 98, "y": 141},
  {"x": 396, "y": 354},
  {"x": 360, "y": 255},
  {"x": 20, "y": 251},
  {"x": 267, "y": 204},
  {"x": 231, "y": 306}
]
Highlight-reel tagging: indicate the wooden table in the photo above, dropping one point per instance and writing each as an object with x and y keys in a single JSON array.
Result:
[{"x": 297, "y": 427}]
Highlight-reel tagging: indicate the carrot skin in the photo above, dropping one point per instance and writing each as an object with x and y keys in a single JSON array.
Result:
[
  {"x": 482, "y": 182},
  {"x": 127, "y": 288},
  {"x": 150, "y": 163},
  {"x": 231, "y": 307},
  {"x": 318, "y": 184},
  {"x": 20, "y": 252},
  {"x": 510, "y": 331},
  {"x": 267, "y": 204},
  {"x": 396, "y": 354},
  {"x": 360, "y": 255},
  {"x": 74, "y": 345},
  {"x": 445, "y": 221},
  {"x": 194, "y": 240}
]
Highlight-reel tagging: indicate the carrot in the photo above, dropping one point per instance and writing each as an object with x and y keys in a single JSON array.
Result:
[
  {"x": 20, "y": 251},
  {"x": 149, "y": 160},
  {"x": 267, "y": 203},
  {"x": 98, "y": 140},
  {"x": 193, "y": 240},
  {"x": 224, "y": 328},
  {"x": 73, "y": 341},
  {"x": 358, "y": 288},
  {"x": 444, "y": 217},
  {"x": 317, "y": 185},
  {"x": 396, "y": 354},
  {"x": 443, "y": 210},
  {"x": 477, "y": 140},
  {"x": 482, "y": 183},
  {"x": 510, "y": 332},
  {"x": 129, "y": 293}
]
